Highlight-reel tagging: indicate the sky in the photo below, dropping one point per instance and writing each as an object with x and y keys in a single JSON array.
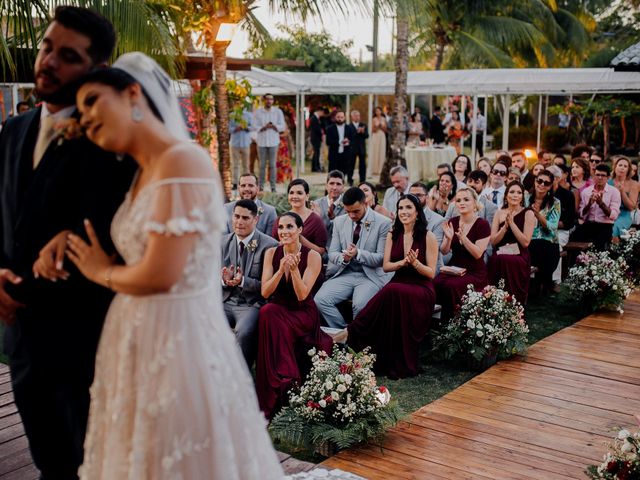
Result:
[{"x": 357, "y": 28}]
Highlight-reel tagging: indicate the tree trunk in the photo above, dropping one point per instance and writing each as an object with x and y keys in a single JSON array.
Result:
[
  {"x": 398, "y": 139},
  {"x": 222, "y": 116},
  {"x": 439, "y": 55}
]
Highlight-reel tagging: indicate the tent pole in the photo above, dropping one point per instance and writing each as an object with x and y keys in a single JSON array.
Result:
[
  {"x": 505, "y": 122},
  {"x": 463, "y": 108},
  {"x": 486, "y": 111},
  {"x": 546, "y": 111},
  {"x": 370, "y": 121},
  {"x": 539, "y": 122},
  {"x": 412, "y": 103},
  {"x": 348, "y": 109},
  {"x": 473, "y": 131}
]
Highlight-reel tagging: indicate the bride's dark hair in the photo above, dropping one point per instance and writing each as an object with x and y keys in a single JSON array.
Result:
[{"x": 119, "y": 80}]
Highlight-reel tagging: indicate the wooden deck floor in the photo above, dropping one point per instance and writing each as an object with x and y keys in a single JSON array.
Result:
[{"x": 546, "y": 416}]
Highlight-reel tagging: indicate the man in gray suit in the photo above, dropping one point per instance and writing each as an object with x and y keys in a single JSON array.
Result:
[
  {"x": 434, "y": 221},
  {"x": 355, "y": 259},
  {"x": 400, "y": 181},
  {"x": 477, "y": 180},
  {"x": 242, "y": 257},
  {"x": 330, "y": 206},
  {"x": 248, "y": 190}
]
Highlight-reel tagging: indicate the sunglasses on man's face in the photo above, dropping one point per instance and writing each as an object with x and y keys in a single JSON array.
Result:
[
  {"x": 595, "y": 160},
  {"x": 546, "y": 183},
  {"x": 502, "y": 173}
]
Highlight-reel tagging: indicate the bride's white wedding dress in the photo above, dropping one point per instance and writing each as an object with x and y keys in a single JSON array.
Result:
[{"x": 172, "y": 397}]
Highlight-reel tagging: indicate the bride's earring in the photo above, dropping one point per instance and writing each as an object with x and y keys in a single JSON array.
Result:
[{"x": 136, "y": 114}]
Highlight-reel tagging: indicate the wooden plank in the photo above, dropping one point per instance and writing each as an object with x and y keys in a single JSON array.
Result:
[
  {"x": 15, "y": 462},
  {"x": 28, "y": 472},
  {"x": 13, "y": 446}
]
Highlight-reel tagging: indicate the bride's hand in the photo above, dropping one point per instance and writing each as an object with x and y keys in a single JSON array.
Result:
[{"x": 90, "y": 258}]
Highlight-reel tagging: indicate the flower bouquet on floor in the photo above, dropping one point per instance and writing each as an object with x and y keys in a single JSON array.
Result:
[
  {"x": 622, "y": 461},
  {"x": 599, "y": 281},
  {"x": 629, "y": 250},
  {"x": 338, "y": 405},
  {"x": 487, "y": 326}
]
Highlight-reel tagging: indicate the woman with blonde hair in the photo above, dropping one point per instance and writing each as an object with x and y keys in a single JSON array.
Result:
[{"x": 628, "y": 188}]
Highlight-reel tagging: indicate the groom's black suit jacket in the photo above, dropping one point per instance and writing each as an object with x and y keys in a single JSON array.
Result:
[{"x": 58, "y": 330}]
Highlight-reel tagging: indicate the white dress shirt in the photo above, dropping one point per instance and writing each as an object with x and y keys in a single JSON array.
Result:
[{"x": 268, "y": 137}]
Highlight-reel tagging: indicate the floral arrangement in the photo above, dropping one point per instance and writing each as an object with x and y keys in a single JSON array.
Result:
[
  {"x": 622, "y": 461},
  {"x": 489, "y": 323},
  {"x": 339, "y": 403},
  {"x": 629, "y": 250},
  {"x": 598, "y": 280},
  {"x": 240, "y": 99}
]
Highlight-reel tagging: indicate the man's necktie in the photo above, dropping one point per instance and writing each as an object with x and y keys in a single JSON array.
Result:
[
  {"x": 356, "y": 233},
  {"x": 45, "y": 135},
  {"x": 494, "y": 199},
  {"x": 330, "y": 213}
]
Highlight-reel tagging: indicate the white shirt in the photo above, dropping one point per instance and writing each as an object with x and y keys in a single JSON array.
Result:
[
  {"x": 55, "y": 117},
  {"x": 340, "y": 137},
  {"x": 245, "y": 241},
  {"x": 488, "y": 192},
  {"x": 262, "y": 117}
]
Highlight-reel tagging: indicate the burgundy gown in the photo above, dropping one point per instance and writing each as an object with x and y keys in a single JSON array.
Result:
[
  {"x": 450, "y": 288},
  {"x": 287, "y": 328},
  {"x": 313, "y": 229},
  {"x": 515, "y": 269},
  {"x": 397, "y": 318}
]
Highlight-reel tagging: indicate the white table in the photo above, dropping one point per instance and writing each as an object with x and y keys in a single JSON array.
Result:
[{"x": 422, "y": 161}]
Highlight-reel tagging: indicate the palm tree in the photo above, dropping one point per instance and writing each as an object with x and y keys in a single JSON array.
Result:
[{"x": 142, "y": 26}]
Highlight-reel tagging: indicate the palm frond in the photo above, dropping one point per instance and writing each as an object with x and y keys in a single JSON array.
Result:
[
  {"x": 475, "y": 52},
  {"x": 507, "y": 32}
]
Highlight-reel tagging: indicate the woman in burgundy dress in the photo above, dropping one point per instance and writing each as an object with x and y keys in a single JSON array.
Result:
[
  {"x": 289, "y": 324},
  {"x": 511, "y": 234},
  {"x": 467, "y": 236},
  {"x": 397, "y": 318},
  {"x": 314, "y": 233}
]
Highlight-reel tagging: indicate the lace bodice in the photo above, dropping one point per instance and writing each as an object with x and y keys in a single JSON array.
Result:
[{"x": 173, "y": 206}]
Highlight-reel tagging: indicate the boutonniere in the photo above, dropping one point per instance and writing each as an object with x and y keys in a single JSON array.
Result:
[
  {"x": 253, "y": 244},
  {"x": 260, "y": 212},
  {"x": 67, "y": 129},
  {"x": 340, "y": 205},
  {"x": 367, "y": 224}
]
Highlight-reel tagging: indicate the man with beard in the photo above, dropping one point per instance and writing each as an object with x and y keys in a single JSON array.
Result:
[
  {"x": 339, "y": 138},
  {"x": 248, "y": 190},
  {"x": 52, "y": 179}
]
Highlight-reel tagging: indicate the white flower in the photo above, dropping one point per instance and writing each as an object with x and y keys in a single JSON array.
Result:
[
  {"x": 479, "y": 333},
  {"x": 624, "y": 433},
  {"x": 328, "y": 385},
  {"x": 322, "y": 403},
  {"x": 311, "y": 352},
  {"x": 471, "y": 324},
  {"x": 341, "y": 388},
  {"x": 347, "y": 378},
  {"x": 626, "y": 447},
  {"x": 335, "y": 396}
]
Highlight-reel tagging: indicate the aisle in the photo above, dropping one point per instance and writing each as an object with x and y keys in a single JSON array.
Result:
[{"x": 546, "y": 416}]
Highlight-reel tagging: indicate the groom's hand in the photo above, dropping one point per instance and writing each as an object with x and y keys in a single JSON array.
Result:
[
  {"x": 51, "y": 258},
  {"x": 8, "y": 305}
]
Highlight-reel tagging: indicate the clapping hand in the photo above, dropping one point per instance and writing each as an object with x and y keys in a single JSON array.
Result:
[
  {"x": 291, "y": 261},
  {"x": 232, "y": 276},
  {"x": 349, "y": 253},
  {"x": 412, "y": 258},
  {"x": 462, "y": 236},
  {"x": 448, "y": 230},
  {"x": 90, "y": 258}
]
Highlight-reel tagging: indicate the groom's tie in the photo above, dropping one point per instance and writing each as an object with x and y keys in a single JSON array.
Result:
[
  {"x": 356, "y": 233},
  {"x": 45, "y": 134}
]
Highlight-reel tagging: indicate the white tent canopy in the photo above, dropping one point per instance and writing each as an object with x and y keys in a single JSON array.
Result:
[{"x": 528, "y": 81}]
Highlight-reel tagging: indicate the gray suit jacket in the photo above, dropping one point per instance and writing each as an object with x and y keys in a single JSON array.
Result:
[
  {"x": 323, "y": 203},
  {"x": 370, "y": 247},
  {"x": 487, "y": 213},
  {"x": 267, "y": 216},
  {"x": 434, "y": 225},
  {"x": 254, "y": 258}
]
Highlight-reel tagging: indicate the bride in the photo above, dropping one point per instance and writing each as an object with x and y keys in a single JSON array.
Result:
[{"x": 172, "y": 398}]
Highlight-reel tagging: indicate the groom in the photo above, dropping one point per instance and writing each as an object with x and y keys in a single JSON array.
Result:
[{"x": 51, "y": 179}]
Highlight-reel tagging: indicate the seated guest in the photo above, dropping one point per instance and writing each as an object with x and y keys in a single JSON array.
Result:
[
  {"x": 494, "y": 191},
  {"x": 289, "y": 323},
  {"x": 543, "y": 248},
  {"x": 519, "y": 161},
  {"x": 434, "y": 221},
  {"x": 513, "y": 175},
  {"x": 371, "y": 199},
  {"x": 400, "y": 186},
  {"x": 485, "y": 165},
  {"x": 477, "y": 181},
  {"x": 511, "y": 233},
  {"x": 355, "y": 259},
  {"x": 330, "y": 206},
  {"x": 398, "y": 317},
  {"x": 558, "y": 159},
  {"x": 582, "y": 150},
  {"x": 461, "y": 168},
  {"x": 314, "y": 234},
  {"x": 568, "y": 214},
  {"x": 599, "y": 208},
  {"x": 545, "y": 157},
  {"x": 248, "y": 190},
  {"x": 442, "y": 194},
  {"x": 595, "y": 158},
  {"x": 621, "y": 179},
  {"x": 443, "y": 167},
  {"x": 467, "y": 237},
  {"x": 242, "y": 256}
]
